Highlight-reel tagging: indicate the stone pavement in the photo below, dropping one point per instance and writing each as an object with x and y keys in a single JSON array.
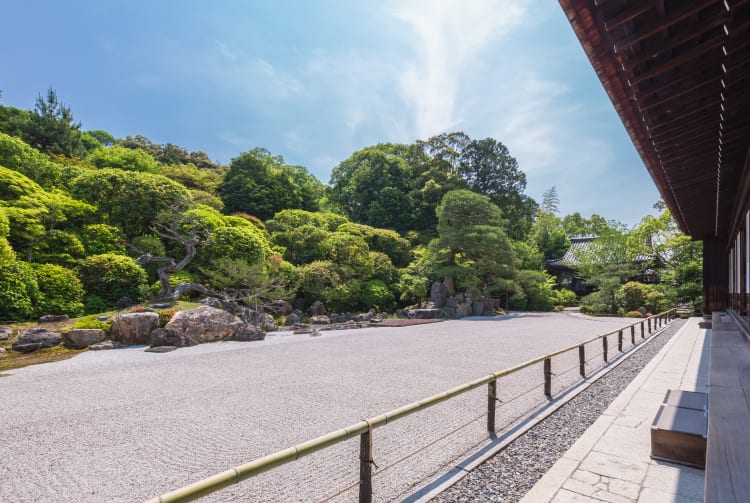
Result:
[{"x": 611, "y": 461}]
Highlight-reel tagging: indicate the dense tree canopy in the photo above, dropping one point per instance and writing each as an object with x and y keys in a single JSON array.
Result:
[
  {"x": 76, "y": 205},
  {"x": 261, "y": 184}
]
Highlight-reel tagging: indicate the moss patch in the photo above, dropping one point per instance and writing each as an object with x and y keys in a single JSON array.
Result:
[{"x": 14, "y": 360}]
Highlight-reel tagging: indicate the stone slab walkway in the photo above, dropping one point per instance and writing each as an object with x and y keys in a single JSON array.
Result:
[{"x": 611, "y": 461}]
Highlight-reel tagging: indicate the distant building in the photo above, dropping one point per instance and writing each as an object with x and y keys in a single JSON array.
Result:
[{"x": 588, "y": 249}]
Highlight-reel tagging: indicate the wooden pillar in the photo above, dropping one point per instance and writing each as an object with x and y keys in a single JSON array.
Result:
[
  {"x": 548, "y": 377},
  {"x": 582, "y": 361},
  {"x": 715, "y": 275},
  {"x": 491, "y": 400},
  {"x": 365, "y": 466}
]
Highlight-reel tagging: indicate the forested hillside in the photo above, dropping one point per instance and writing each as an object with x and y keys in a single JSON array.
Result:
[{"x": 79, "y": 207}]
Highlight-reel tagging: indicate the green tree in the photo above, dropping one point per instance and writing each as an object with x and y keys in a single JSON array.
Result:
[
  {"x": 471, "y": 235},
  {"x": 550, "y": 200},
  {"x": 52, "y": 129},
  {"x": 548, "y": 235},
  {"x": 372, "y": 187},
  {"x": 18, "y": 156},
  {"x": 488, "y": 168},
  {"x": 262, "y": 185},
  {"x": 129, "y": 200},
  {"x": 576, "y": 225},
  {"x": 123, "y": 158}
]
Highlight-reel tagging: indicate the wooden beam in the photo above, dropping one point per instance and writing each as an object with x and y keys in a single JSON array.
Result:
[
  {"x": 671, "y": 43},
  {"x": 661, "y": 24},
  {"x": 645, "y": 107},
  {"x": 628, "y": 14},
  {"x": 687, "y": 57},
  {"x": 689, "y": 113}
]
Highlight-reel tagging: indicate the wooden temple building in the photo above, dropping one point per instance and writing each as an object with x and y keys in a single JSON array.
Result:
[{"x": 678, "y": 74}]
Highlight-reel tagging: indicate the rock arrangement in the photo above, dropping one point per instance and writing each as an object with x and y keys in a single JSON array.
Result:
[
  {"x": 445, "y": 302},
  {"x": 186, "y": 328},
  {"x": 35, "y": 338},
  {"x": 210, "y": 322}
]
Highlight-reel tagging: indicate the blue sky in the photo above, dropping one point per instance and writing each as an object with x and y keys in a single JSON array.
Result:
[{"x": 314, "y": 81}]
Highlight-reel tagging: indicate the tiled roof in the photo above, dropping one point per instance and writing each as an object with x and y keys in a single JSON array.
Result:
[{"x": 589, "y": 249}]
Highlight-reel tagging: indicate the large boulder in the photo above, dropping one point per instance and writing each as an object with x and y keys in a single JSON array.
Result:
[
  {"x": 249, "y": 333},
  {"x": 463, "y": 310},
  {"x": 134, "y": 328},
  {"x": 36, "y": 338},
  {"x": 282, "y": 307},
  {"x": 269, "y": 323},
  {"x": 294, "y": 318},
  {"x": 425, "y": 314},
  {"x": 204, "y": 324},
  {"x": 53, "y": 318},
  {"x": 5, "y": 333},
  {"x": 438, "y": 294},
  {"x": 163, "y": 337},
  {"x": 83, "y": 337},
  {"x": 317, "y": 309},
  {"x": 320, "y": 320},
  {"x": 104, "y": 345}
]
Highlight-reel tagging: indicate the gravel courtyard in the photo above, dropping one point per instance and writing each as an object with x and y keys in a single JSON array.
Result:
[{"x": 126, "y": 425}]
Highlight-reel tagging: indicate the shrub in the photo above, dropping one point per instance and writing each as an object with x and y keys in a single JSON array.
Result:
[
  {"x": 112, "y": 277},
  {"x": 60, "y": 290},
  {"x": 102, "y": 238},
  {"x": 92, "y": 322},
  {"x": 376, "y": 294},
  {"x": 245, "y": 243},
  {"x": 348, "y": 250},
  {"x": 535, "y": 293},
  {"x": 317, "y": 280},
  {"x": 412, "y": 288},
  {"x": 633, "y": 295},
  {"x": 633, "y": 314},
  {"x": 19, "y": 292},
  {"x": 94, "y": 304},
  {"x": 383, "y": 268},
  {"x": 565, "y": 298},
  {"x": 59, "y": 247},
  {"x": 165, "y": 315}
]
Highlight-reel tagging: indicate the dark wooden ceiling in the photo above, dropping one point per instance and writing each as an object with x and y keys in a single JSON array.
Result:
[{"x": 678, "y": 73}]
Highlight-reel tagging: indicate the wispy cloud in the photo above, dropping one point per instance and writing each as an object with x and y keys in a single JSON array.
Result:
[{"x": 448, "y": 38}]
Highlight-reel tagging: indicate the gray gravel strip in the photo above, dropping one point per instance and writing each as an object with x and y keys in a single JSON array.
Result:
[{"x": 509, "y": 475}]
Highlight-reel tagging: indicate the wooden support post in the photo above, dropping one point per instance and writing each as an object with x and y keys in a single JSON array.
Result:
[
  {"x": 491, "y": 400},
  {"x": 649, "y": 326},
  {"x": 582, "y": 361},
  {"x": 548, "y": 377},
  {"x": 365, "y": 466},
  {"x": 619, "y": 341},
  {"x": 632, "y": 335},
  {"x": 604, "y": 347},
  {"x": 643, "y": 335}
]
